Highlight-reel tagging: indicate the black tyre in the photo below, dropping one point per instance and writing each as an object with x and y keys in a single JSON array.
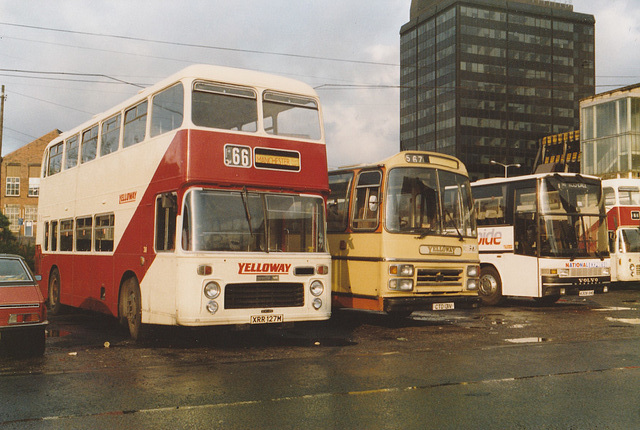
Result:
[
  {"x": 53, "y": 300},
  {"x": 490, "y": 290},
  {"x": 130, "y": 308}
]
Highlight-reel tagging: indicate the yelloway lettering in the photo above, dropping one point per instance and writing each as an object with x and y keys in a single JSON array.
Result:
[{"x": 262, "y": 268}]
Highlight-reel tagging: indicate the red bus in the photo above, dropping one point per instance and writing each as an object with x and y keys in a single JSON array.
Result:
[
  {"x": 200, "y": 201},
  {"x": 622, "y": 202}
]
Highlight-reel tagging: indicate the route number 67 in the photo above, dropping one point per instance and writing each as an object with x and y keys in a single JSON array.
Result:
[{"x": 237, "y": 156}]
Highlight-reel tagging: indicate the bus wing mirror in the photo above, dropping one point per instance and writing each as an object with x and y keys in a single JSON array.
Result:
[{"x": 373, "y": 203}]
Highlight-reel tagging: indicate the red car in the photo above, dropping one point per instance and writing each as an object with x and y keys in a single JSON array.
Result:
[{"x": 23, "y": 315}]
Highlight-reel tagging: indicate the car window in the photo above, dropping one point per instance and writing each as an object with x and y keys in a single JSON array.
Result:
[{"x": 12, "y": 270}]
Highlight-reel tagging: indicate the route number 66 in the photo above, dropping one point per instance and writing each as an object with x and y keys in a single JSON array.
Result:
[{"x": 237, "y": 156}]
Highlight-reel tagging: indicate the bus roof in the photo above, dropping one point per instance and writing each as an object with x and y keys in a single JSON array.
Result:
[
  {"x": 229, "y": 75},
  {"x": 500, "y": 180},
  {"x": 436, "y": 158},
  {"x": 624, "y": 182}
]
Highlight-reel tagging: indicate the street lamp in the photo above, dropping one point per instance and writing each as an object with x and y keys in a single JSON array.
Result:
[{"x": 506, "y": 166}]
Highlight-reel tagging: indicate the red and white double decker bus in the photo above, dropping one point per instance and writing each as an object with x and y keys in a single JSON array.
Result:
[
  {"x": 200, "y": 201},
  {"x": 622, "y": 202}
]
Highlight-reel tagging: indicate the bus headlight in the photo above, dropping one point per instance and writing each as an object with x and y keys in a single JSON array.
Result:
[
  {"x": 632, "y": 268},
  {"x": 606, "y": 271},
  {"x": 212, "y": 307},
  {"x": 401, "y": 284},
  {"x": 212, "y": 290},
  {"x": 473, "y": 271},
  {"x": 316, "y": 288},
  {"x": 563, "y": 272},
  {"x": 317, "y": 303},
  {"x": 401, "y": 269},
  {"x": 472, "y": 284}
]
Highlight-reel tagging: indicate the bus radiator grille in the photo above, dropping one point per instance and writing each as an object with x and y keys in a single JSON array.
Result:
[
  {"x": 439, "y": 277},
  {"x": 264, "y": 295}
]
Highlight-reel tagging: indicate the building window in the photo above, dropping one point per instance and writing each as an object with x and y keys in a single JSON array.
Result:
[
  {"x": 34, "y": 181},
  {"x": 30, "y": 217},
  {"x": 12, "y": 212},
  {"x": 13, "y": 187}
]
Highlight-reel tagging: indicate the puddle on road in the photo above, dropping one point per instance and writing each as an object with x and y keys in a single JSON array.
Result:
[
  {"x": 614, "y": 308},
  {"x": 634, "y": 321},
  {"x": 528, "y": 340}
]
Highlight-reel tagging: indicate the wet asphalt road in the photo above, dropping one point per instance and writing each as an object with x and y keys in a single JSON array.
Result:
[{"x": 575, "y": 364}]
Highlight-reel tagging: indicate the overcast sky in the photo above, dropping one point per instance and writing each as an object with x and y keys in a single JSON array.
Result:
[{"x": 349, "y": 50}]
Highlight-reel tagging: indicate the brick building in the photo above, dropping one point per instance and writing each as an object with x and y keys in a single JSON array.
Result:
[{"x": 20, "y": 179}]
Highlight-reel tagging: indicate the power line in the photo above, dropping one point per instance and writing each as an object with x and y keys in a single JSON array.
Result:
[
  {"x": 99, "y": 75},
  {"x": 195, "y": 45}
]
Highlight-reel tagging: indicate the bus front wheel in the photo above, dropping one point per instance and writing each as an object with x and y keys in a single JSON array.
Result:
[
  {"x": 130, "y": 308},
  {"x": 54, "y": 292},
  {"x": 490, "y": 290}
]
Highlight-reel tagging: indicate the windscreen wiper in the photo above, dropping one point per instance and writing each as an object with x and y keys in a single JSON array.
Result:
[
  {"x": 424, "y": 231},
  {"x": 245, "y": 197},
  {"x": 453, "y": 221}
]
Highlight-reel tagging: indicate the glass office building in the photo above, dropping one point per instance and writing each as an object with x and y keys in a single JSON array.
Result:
[
  {"x": 487, "y": 79},
  {"x": 611, "y": 133}
]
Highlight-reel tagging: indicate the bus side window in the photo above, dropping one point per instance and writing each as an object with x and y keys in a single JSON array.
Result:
[
  {"x": 55, "y": 159},
  {"x": 66, "y": 235},
  {"x": 367, "y": 201},
  {"x": 167, "y": 110},
  {"x": 110, "y": 139},
  {"x": 54, "y": 235},
  {"x": 166, "y": 212},
  {"x": 338, "y": 201},
  {"x": 89, "y": 144},
  {"x": 135, "y": 125},
  {"x": 525, "y": 228},
  {"x": 83, "y": 234},
  {"x": 71, "y": 153},
  {"x": 103, "y": 235},
  {"x": 46, "y": 236},
  {"x": 609, "y": 196},
  {"x": 186, "y": 225}
]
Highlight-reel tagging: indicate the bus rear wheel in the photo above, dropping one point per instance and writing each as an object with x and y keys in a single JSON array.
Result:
[
  {"x": 130, "y": 308},
  {"x": 53, "y": 299},
  {"x": 490, "y": 290}
]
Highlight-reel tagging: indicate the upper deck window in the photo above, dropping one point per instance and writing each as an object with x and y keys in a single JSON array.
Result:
[
  {"x": 135, "y": 125},
  {"x": 55, "y": 159},
  {"x": 167, "y": 110},
  {"x": 89, "y": 144},
  {"x": 291, "y": 115},
  {"x": 225, "y": 107},
  {"x": 110, "y": 139},
  {"x": 71, "y": 154}
]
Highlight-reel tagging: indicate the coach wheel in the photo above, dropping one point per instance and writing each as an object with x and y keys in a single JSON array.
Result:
[
  {"x": 490, "y": 290},
  {"x": 130, "y": 308},
  {"x": 54, "y": 293}
]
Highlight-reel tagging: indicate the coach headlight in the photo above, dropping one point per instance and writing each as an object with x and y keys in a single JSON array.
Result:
[
  {"x": 632, "y": 268},
  {"x": 316, "y": 288},
  {"x": 212, "y": 307},
  {"x": 401, "y": 269},
  {"x": 606, "y": 271},
  {"x": 472, "y": 284},
  {"x": 212, "y": 290},
  {"x": 473, "y": 271},
  {"x": 317, "y": 303},
  {"x": 401, "y": 284}
]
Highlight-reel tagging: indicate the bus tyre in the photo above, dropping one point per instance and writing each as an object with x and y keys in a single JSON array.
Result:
[
  {"x": 490, "y": 290},
  {"x": 53, "y": 299},
  {"x": 130, "y": 308}
]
